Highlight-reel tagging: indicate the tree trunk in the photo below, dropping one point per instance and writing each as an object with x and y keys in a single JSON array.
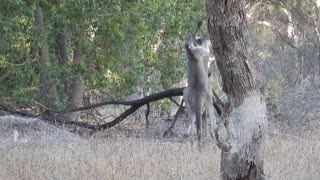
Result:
[
  {"x": 76, "y": 99},
  {"x": 242, "y": 82},
  {"x": 61, "y": 48},
  {"x": 319, "y": 61},
  {"x": 47, "y": 83},
  {"x": 316, "y": 28},
  {"x": 61, "y": 37},
  {"x": 77, "y": 86}
]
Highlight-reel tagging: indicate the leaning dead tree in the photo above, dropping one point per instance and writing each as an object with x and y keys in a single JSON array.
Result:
[{"x": 242, "y": 83}]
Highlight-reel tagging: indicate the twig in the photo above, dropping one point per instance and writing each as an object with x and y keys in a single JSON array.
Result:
[
  {"x": 169, "y": 130},
  {"x": 147, "y": 115}
]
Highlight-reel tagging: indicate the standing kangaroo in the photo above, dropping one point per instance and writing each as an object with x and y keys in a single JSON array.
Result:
[{"x": 198, "y": 94}]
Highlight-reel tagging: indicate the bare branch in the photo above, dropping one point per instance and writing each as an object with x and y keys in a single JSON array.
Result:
[
  {"x": 13, "y": 111},
  {"x": 169, "y": 130},
  {"x": 174, "y": 101},
  {"x": 147, "y": 115}
]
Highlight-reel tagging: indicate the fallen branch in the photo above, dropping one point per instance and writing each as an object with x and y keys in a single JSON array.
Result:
[
  {"x": 138, "y": 102},
  {"x": 13, "y": 111},
  {"x": 135, "y": 105}
]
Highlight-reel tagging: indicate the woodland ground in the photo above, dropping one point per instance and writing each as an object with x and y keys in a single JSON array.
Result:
[{"x": 31, "y": 149}]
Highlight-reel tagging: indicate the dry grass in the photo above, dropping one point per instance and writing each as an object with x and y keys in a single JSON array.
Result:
[
  {"x": 107, "y": 159},
  {"x": 293, "y": 157},
  {"x": 43, "y": 154}
]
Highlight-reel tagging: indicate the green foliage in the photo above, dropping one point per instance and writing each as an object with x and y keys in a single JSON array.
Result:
[
  {"x": 165, "y": 105},
  {"x": 125, "y": 44}
]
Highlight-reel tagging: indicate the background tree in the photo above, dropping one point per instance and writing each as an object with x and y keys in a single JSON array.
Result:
[
  {"x": 286, "y": 36},
  {"x": 242, "y": 82},
  {"x": 107, "y": 48}
]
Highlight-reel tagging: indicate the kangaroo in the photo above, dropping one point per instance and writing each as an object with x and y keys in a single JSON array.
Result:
[{"x": 198, "y": 94}]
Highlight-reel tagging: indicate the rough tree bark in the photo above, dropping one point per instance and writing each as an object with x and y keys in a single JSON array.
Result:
[{"x": 242, "y": 82}]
